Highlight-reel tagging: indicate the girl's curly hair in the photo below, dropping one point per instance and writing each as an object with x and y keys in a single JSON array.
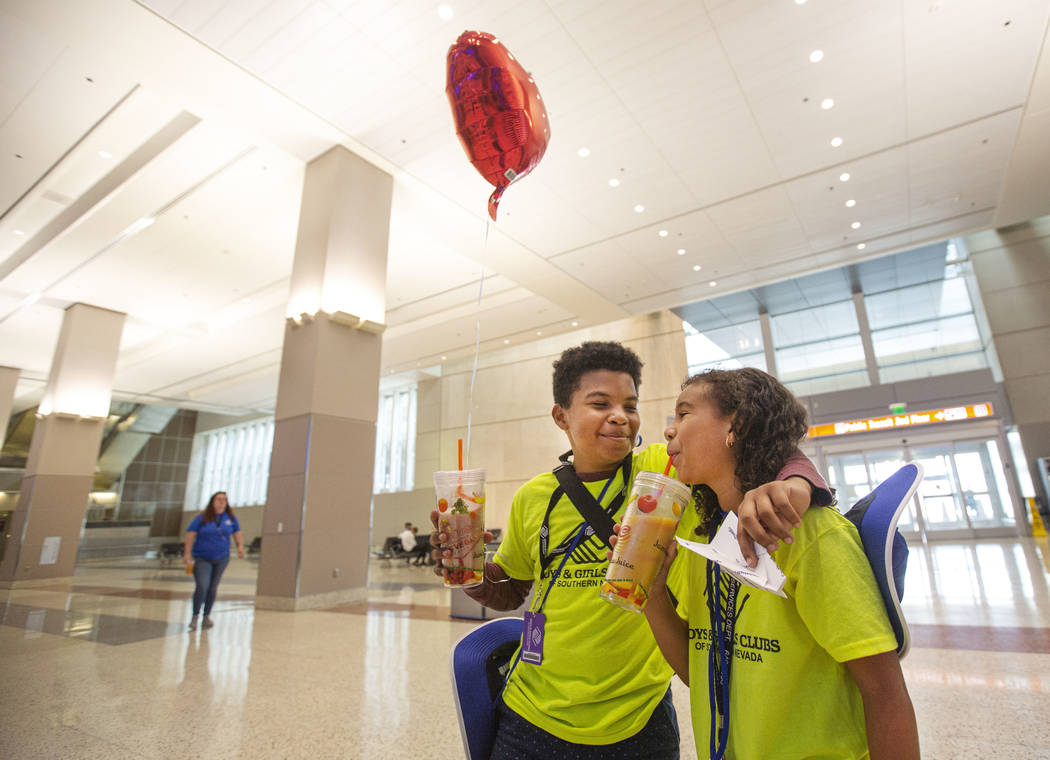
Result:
[{"x": 768, "y": 423}]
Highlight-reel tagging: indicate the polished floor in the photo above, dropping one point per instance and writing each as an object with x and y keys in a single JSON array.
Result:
[{"x": 109, "y": 670}]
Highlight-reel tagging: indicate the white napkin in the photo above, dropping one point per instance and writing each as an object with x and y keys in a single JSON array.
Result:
[{"x": 726, "y": 552}]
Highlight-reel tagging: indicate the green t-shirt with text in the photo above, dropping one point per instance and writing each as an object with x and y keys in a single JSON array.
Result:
[
  {"x": 791, "y": 695},
  {"x": 602, "y": 674}
]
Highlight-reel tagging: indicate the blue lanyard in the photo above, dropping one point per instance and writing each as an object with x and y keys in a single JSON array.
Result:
[
  {"x": 554, "y": 578},
  {"x": 720, "y": 657}
]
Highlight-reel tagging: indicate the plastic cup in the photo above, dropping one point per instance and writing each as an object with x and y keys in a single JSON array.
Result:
[
  {"x": 646, "y": 533},
  {"x": 189, "y": 568},
  {"x": 460, "y": 498}
]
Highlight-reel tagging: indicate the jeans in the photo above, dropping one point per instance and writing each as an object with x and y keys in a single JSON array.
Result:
[
  {"x": 517, "y": 739},
  {"x": 207, "y": 573}
]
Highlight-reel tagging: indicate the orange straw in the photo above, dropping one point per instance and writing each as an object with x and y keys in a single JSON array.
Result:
[
  {"x": 461, "y": 453},
  {"x": 667, "y": 469}
]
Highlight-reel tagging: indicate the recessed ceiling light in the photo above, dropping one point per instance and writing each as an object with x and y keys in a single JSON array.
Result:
[
  {"x": 855, "y": 225},
  {"x": 18, "y": 232},
  {"x": 681, "y": 251},
  {"x": 816, "y": 56},
  {"x": 861, "y": 246},
  {"x": 443, "y": 358},
  {"x": 506, "y": 341},
  {"x": 713, "y": 283},
  {"x": 575, "y": 324},
  {"x": 663, "y": 233},
  {"x": 105, "y": 154},
  {"x": 851, "y": 203},
  {"x": 445, "y": 12},
  {"x": 844, "y": 177},
  {"x": 539, "y": 332},
  {"x": 696, "y": 267},
  {"x": 836, "y": 142},
  {"x": 827, "y": 103},
  {"x": 639, "y": 208},
  {"x": 614, "y": 182},
  {"x": 583, "y": 152}
]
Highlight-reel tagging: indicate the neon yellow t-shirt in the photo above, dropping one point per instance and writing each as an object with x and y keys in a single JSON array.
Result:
[
  {"x": 602, "y": 674},
  {"x": 791, "y": 695}
]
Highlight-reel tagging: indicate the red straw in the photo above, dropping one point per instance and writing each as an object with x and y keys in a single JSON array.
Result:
[
  {"x": 667, "y": 469},
  {"x": 461, "y": 453}
]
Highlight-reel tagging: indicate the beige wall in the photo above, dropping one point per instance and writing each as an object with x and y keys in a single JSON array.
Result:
[
  {"x": 512, "y": 434},
  {"x": 1012, "y": 268}
]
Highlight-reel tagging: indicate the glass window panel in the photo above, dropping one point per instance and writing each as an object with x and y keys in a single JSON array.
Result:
[
  {"x": 941, "y": 504},
  {"x": 933, "y": 367},
  {"x": 809, "y": 326},
  {"x": 410, "y": 449},
  {"x": 725, "y": 347},
  {"x": 930, "y": 301},
  {"x": 849, "y": 476}
]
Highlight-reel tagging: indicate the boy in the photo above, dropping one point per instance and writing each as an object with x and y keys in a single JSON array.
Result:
[{"x": 601, "y": 687}]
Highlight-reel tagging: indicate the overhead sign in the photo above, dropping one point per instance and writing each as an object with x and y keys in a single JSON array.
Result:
[{"x": 948, "y": 414}]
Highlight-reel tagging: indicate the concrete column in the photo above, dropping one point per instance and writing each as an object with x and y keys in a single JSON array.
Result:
[
  {"x": 861, "y": 310},
  {"x": 767, "y": 343},
  {"x": 1012, "y": 269},
  {"x": 318, "y": 507},
  {"x": 8, "y": 381},
  {"x": 46, "y": 524}
]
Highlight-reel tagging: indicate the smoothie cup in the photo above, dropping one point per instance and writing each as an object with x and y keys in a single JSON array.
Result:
[
  {"x": 646, "y": 532},
  {"x": 460, "y": 498}
]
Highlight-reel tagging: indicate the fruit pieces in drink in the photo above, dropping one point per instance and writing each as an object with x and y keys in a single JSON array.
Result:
[
  {"x": 463, "y": 521},
  {"x": 629, "y": 591},
  {"x": 640, "y": 536}
]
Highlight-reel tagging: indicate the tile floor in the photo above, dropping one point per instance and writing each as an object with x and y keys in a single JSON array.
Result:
[{"x": 108, "y": 670}]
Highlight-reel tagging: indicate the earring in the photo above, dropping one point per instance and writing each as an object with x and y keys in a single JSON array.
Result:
[
  {"x": 638, "y": 441},
  {"x": 729, "y": 443}
]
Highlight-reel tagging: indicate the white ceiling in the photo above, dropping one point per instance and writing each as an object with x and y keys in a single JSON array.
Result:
[{"x": 708, "y": 113}]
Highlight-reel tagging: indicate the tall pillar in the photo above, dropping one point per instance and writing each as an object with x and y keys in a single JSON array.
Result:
[
  {"x": 1012, "y": 269},
  {"x": 45, "y": 527},
  {"x": 8, "y": 381},
  {"x": 318, "y": 506}
]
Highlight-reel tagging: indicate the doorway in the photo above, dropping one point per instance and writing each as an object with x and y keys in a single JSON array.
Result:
[{"x": 964, "y": 492}]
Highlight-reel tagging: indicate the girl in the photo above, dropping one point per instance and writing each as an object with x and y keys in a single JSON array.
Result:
[{"x": 812, "y": 675}]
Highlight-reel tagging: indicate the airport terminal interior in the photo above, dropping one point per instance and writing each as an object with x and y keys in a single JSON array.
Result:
[{"x": 243, "y": 250}]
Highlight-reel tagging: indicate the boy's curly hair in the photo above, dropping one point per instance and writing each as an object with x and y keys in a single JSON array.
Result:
[
  {"x": 589, "y": 356},
  {"x": 768, "y": 425}
]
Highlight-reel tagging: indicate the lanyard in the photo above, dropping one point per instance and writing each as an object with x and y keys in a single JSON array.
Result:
[
  {"x": 572, "y": 547},
  {"x": 545, "y": 558},
  {"x": 582, "y": 531},
  {"x": 720, "y": 656}
]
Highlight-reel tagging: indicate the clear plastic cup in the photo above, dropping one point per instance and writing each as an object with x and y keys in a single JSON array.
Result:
[
  {"x": 460, "y": 498},
  {"x": 646, "y": 531}
]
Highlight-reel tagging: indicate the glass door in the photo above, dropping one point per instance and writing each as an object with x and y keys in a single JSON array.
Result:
[
  {"x": 983, "y": 484},
  {"x": 964, "y": 492},
  {"x": 939, "y": 494},
  {"x": 855, "y": 475}
]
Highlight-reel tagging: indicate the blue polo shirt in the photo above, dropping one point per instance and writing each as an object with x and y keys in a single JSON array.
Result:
[{"x": 213, "y": 538}]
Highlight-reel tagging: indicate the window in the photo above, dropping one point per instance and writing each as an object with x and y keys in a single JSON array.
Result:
[
  {"x": 396, "y": 441},
  {"x": 234, "y": 459},
  {"x": 925, "y": 330},
  {"x": 725, "y": 347},
  {"x": 819, "y": 349}
]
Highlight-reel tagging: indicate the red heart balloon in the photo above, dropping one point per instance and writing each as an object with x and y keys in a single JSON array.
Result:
[{"x": 500, "y": 118}]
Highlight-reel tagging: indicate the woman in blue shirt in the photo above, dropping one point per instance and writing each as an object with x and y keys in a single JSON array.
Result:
[{"x": 208, "y": 552}]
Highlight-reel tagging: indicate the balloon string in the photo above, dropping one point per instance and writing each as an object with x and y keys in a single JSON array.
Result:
[{"x": 477, "y": 343}]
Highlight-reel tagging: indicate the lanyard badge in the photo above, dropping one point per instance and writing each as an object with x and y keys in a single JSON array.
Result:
[
  {"x": 535, "y": 622},
  {"x": 532, "y": 637}
]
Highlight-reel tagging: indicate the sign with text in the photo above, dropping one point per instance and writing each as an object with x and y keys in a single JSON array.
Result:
[{"x": 948, "y": 414}]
